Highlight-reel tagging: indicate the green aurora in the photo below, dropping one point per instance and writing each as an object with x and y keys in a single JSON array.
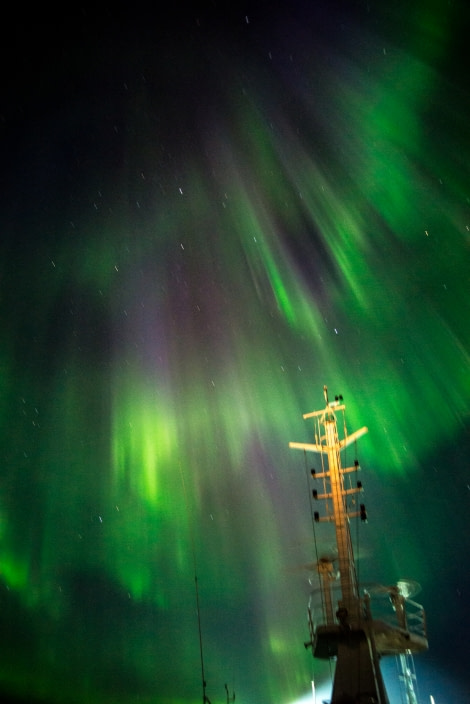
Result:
[{"x": 198, "y": 234}]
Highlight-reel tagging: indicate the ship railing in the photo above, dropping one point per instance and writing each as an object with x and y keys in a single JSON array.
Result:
[
  {"x": 414, "y": 619},
  {"x": 381, "y": 607}
]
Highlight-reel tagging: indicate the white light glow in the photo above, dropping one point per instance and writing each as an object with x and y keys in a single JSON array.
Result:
[{"x": 318, "y": 695}]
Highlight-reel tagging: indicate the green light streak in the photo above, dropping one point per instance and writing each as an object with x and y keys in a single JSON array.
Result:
[{"x": 139, "y": 457}]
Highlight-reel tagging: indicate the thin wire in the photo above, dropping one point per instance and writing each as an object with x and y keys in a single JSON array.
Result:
[
  {"x": 318, "y": 440},
  {"x": 323, "y": 469},
  {"x": 312, "y": 518},
  {"x": 356, "y": 551},
  {"x": 345, "y": 455},
  {"x": 357, "y": 525},
  {"x": 205, "y": 698}
]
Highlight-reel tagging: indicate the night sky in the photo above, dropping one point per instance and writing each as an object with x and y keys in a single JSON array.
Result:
[{"x": 206, "y": 215}]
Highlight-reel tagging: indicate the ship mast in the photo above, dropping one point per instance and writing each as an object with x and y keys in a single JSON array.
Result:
[{"x": 353, "y": 638}]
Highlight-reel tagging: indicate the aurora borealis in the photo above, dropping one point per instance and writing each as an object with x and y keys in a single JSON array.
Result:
[{"x": 207, "y": 215}]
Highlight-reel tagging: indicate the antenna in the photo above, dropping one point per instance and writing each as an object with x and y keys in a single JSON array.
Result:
[
  {"x": 335, "y": 494},
  {"x": 351, "y": 635},
  {"x": 229, "y": 698},
  {"x": 205, "y": 698}
]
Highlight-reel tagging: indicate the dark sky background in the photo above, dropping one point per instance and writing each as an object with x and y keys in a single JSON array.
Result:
[{"x": 208, "y": 213}]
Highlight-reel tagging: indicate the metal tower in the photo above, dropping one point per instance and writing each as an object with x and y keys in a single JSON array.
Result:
[{"x": 352, "y": 636}]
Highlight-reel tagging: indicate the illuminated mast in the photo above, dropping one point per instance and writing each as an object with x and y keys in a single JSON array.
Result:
[{"x": 354, "y": 638}]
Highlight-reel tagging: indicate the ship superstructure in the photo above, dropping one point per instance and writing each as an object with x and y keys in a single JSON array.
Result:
[{"x": 347, "y": 631}]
